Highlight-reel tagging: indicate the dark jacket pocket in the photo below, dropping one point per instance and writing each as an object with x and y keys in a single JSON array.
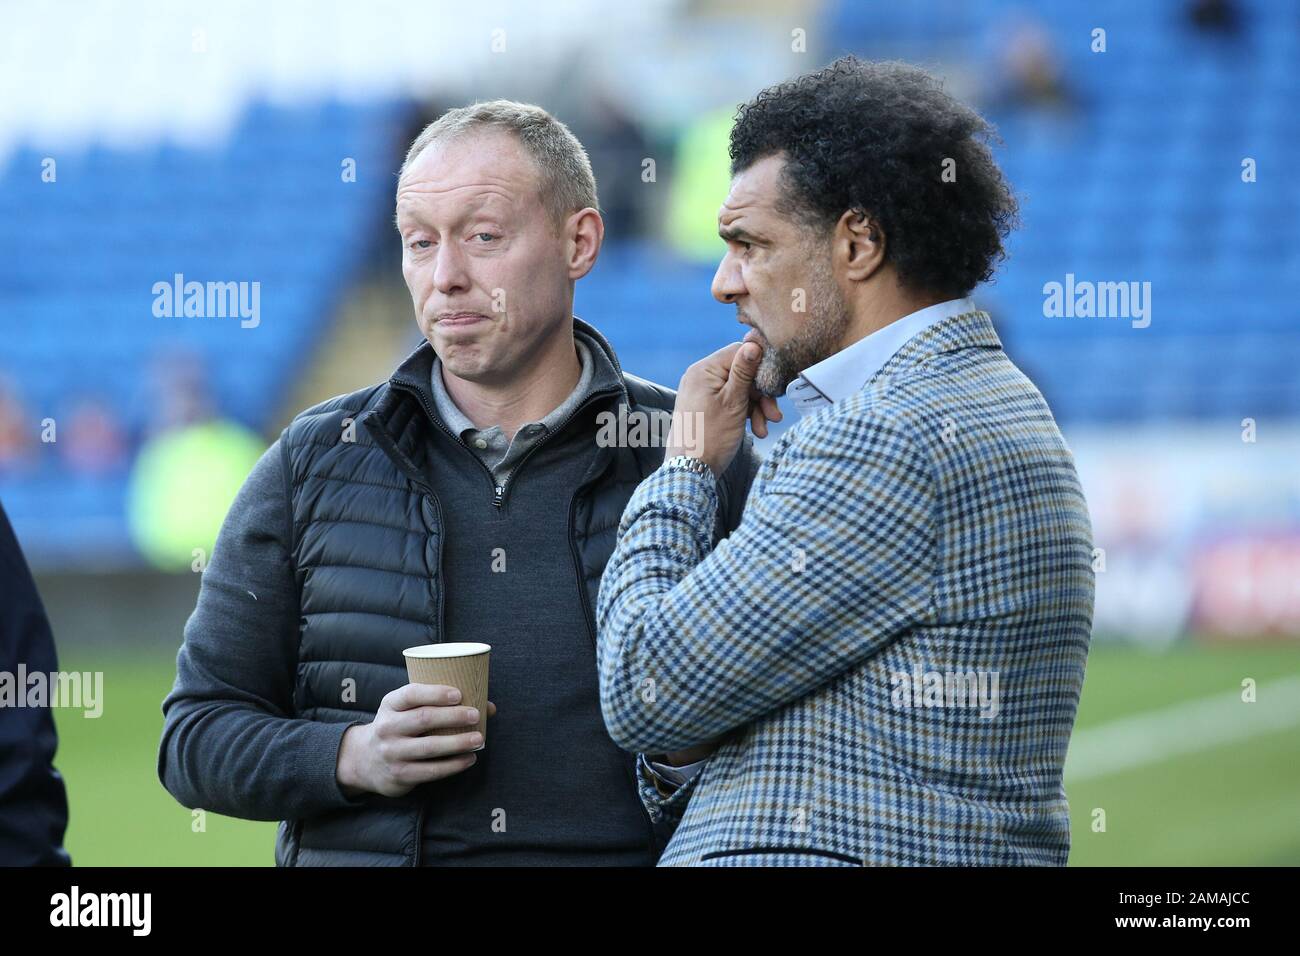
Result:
[{"x": 781, "y": 856}]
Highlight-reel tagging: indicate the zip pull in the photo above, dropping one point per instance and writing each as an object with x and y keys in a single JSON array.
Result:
[{"x": 499, "y": 496}]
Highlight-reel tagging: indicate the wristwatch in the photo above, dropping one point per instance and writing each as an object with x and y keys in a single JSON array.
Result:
[{"x": 690, "y": 463}]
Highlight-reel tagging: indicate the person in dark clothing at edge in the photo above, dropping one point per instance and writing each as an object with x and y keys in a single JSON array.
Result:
[
  {"x": 33, "y": 802},
  {"x": 469, "y": 498}
]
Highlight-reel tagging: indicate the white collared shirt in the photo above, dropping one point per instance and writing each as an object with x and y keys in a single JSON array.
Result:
[{"x": 849, "y": 369}]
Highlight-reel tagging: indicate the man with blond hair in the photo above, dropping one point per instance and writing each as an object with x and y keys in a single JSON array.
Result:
[{"x": 467, "y": 498}]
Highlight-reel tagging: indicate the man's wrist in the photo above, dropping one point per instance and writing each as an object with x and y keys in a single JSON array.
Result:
[
  {"x": 345, "y": 775},
  {"x": 684, "y": 461}
]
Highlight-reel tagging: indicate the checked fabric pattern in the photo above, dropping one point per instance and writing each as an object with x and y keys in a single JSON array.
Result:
[{"x": 929, "y": 528}]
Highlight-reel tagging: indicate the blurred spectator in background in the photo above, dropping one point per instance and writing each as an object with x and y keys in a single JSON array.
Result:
[
  {"x": 179, "y": 391},
  {"x": 33, "y": 802},
  {"x": 1215, "y": 16},
  {"x": 93, "y": 442},
  {"x": 189, "y": 467},
  {"x": 1028, "y": 71},
  {"x": 16, "y": 426},
  {"x": 617, "y": 147}
]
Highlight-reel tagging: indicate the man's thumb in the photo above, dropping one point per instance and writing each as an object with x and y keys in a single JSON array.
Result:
[{"x": 744, "y": 366}]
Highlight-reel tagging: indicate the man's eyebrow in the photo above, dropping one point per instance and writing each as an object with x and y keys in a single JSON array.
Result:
[
  {"x": 737, "y": 234},
  {"x": 412, "y": 213},
  {"x": 401, "y": 216}
]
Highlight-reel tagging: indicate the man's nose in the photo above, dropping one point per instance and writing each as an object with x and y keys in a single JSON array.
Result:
[
  {"x": 727, "y": 286},
  {"x": 449, "y": 273}
]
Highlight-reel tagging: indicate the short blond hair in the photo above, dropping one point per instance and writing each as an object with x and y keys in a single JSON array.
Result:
[{"x": 565, "y": 180}]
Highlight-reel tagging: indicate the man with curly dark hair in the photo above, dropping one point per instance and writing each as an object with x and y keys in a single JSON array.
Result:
[
  {"x": 882, "y": 663},
  {"x": 873, "y": 159}
]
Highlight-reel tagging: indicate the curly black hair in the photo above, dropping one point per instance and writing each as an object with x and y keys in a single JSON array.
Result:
[{"x": 873, "y": 137}]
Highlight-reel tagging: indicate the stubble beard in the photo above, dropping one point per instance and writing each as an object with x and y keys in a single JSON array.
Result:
[{"x": 818, "y": 339}]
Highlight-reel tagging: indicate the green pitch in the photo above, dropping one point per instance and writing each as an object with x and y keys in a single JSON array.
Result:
[{"x": 1231, "y": 804}]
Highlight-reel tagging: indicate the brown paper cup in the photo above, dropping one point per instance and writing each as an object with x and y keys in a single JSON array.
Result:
[{"x": 463, "y": 666}]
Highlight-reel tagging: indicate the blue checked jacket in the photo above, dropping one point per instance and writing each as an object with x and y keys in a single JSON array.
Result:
[{"x": 899, "y": 549}]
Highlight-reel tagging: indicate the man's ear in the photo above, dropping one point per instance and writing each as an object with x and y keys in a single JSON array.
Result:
[
  {"x": 584, "y": 231},
  {"x": 859, "y": 245}
]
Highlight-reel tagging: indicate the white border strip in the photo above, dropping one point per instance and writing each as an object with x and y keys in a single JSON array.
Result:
[{"x": 1182, "y": 729}]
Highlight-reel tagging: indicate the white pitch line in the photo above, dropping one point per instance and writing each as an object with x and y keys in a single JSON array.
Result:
[{"x": 1180, "y": 729}]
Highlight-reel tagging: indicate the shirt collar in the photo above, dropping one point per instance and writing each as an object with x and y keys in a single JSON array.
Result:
[
  {"x": 843, "y": 373},
  {"x": 459, "y": 423}
]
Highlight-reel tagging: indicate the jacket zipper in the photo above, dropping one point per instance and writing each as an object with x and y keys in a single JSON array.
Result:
[
  {"x": 578, "y": 569},
  {"x": 504, "y": 489},
  {"x": 591, "y": 633},
  {"x": 442, "y": 593},
  {"x": 589, "y": 616},
  {"x": 498, "y": 491}
]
